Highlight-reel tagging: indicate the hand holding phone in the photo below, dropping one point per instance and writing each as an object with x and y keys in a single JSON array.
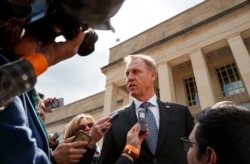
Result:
[
  {"x": 55, "y": 136},
  {"x": 81, "y": 136},
  {"x": 113, "y": 116},
  {"x": 56, "y": 104}
]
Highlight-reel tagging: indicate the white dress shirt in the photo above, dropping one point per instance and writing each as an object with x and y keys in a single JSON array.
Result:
[{"x": 154, "y": 107}]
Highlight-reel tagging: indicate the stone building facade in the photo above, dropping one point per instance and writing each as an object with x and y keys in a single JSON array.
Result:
[{"x": 202, "y": 57}]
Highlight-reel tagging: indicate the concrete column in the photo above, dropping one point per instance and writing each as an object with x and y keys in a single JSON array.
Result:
[
  {"x": 166, "y": 83},
  {"x": 242, "y": 59},
  {"x": 110, "y": 99},
  {"x": 203, "y": 80}
]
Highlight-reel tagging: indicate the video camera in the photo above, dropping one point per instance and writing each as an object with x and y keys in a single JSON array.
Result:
[{"x": 47, "y": 19}]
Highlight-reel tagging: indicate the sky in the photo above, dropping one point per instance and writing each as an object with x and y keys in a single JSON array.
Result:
[{"x": 80, "y": 77}]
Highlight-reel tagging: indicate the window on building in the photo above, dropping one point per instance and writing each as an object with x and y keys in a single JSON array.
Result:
[
  {"x": 246, "y": 105},
  {"x": 230, "y": 80},
  {"x": 191, "y": 91}
]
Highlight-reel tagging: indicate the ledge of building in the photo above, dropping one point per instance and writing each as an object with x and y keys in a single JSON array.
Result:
[{"x": 174, "y": 27}]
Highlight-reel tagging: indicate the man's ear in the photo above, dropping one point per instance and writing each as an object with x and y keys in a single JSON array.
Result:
[
  {"x": 153, "y": 75},
  {"x": 211, "y": 156}
]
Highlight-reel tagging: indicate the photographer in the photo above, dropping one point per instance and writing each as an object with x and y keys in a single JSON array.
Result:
[
  {"x": 44, "y": 20},
  {"x": 32, "y": 62},
  {"x": 15, "y": 75},
  {"x": 24, "y": 57}
]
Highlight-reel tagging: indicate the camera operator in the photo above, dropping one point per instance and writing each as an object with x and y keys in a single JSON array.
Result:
[
  {"x": 32, "y": 63},
  {"x": 44, "y": 20},
  {"x": 31, "y": 59},
  {"x": 24, "y": 57}
]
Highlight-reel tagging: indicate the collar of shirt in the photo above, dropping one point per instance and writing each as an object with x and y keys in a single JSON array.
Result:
[
  {"x": 152, "y": 101},
  {"x": 153, "y": 107}
]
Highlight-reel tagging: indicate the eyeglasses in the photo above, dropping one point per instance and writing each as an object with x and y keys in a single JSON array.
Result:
[
  {"x": 186, "y": 143},
  {"x": 84, "y": 126}
]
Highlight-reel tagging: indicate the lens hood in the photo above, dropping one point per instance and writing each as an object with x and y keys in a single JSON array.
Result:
[{"x": 95, "y": 13}]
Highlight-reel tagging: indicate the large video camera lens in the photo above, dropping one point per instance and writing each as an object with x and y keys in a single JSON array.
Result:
[
  {"x": 88, "y": 44},
  {"x": 56, "y": 23}
]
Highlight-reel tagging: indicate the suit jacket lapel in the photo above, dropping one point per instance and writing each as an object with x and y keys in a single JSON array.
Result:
[
  {"x": 130, "y": 114},
  {"x": 164, "y": 114}
]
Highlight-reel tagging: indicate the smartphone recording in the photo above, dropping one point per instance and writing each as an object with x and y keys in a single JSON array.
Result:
[
  {"x": 142, "y": 120},
  {"x": 56, "y": 104},
  {"x": 81, "y": 136}
]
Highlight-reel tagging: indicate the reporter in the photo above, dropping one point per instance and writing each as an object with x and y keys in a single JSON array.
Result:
[
  {"x": 23, "y": 72},
  {"x": 220, "y": 135},
  {"x": 87, "y": 124},
  {"x": 17, "y": 76},
  {"x": 31, "y": 58}
]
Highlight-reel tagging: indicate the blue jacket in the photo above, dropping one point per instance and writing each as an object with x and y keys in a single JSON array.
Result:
[{"x": 22, "y": 138}]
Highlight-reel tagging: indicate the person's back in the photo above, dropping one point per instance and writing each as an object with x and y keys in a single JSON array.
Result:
[{"x": 13, "y": 28}]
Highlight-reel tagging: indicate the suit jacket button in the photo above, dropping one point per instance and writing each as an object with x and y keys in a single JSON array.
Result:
[{"x": 155, "y": 160}]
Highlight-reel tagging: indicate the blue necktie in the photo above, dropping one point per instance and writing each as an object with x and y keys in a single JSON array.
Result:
[{"x": 153, "y": 130}]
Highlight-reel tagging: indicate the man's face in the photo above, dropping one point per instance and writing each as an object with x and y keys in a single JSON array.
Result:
[
  {"x": 140, "y": 80},
  {"x": 193, "y": 150}
]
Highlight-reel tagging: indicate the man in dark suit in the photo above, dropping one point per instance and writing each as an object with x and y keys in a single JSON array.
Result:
[{"x": 173, "y": 120}]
